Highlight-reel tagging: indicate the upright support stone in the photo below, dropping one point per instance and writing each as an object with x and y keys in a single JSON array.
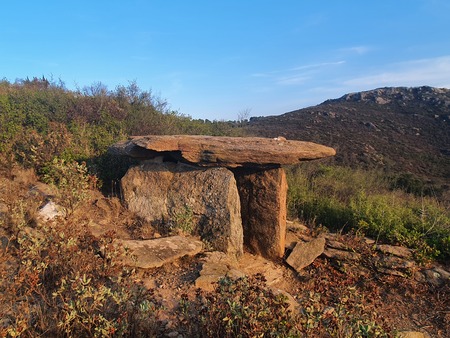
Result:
[
  {"x": 263, "y": 208},
  {"x": 205, "y": 198}
]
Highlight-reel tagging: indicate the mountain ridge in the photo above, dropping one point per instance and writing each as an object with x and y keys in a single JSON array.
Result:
[
  {"x": 396, "y": 129},
  {"x": 438, "y": 98}
]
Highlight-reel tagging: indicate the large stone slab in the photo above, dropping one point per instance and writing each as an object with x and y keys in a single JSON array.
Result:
[
  {"x": 205, "y": 199},
  {"x": 154, "y": 253},
  {"x": 222, "y": 151},
  {"x": 263, "y": 207}
]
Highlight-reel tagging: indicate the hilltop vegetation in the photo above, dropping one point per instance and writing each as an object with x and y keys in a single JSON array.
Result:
[
  {"x": 42, "y": 119},
  {"x": 396, "y": 142}
]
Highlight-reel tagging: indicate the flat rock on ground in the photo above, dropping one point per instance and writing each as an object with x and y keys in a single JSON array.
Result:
[{"x": 154, "y": 253}]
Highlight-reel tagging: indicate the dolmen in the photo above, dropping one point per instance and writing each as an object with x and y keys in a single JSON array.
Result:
[{"x": 231, "y": 191}]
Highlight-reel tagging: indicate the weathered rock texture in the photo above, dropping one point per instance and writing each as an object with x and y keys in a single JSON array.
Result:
[
  {"x": 222, "y": 151},
  {"x": 263, "y": 206},
  {"x": 204, "y": 198},
  {"x": 154, "y": 253}
]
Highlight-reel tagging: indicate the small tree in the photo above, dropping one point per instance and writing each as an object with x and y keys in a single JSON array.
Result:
[{"x": 243, "y": 116}]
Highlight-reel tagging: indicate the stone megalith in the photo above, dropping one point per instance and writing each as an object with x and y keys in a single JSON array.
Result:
[
  {"x": 259, "y": 177},
  {"x": 205, "y": 199}
]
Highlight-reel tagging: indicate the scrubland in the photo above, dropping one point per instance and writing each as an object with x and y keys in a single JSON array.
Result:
[{"x": 59, "y": 280}]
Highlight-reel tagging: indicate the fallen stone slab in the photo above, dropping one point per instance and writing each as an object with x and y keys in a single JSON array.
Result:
[
  {"x": 393, "y": 262},
  {"x": 153, "y": 253},
  {"x": 436, "y": 276},
  {"x": 222, "y": 151},
  {"x": 331, "y": 243},
  {"x": 217, "y": 265},
  {"x": 443, "y": 273},
  {"x": 304, "y": 254}
]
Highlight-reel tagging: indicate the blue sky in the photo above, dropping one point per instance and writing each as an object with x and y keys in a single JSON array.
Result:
[{"x": 215, "y": 59}]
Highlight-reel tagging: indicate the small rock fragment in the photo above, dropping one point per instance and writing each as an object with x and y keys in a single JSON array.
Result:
[
  {"x": 304, "y": 254},
  {"x": 410, "y": 334},
  {"x": 341, "y": 255},
  {"x": 392, "y": 262},
  {"x": 398, "y": 251},
  {"x": 50, "y": 210}
]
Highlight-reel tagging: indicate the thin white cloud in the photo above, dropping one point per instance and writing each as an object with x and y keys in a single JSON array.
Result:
[
  {"x": 292, "y": 80},
  {"x": 360, "y": 50},
  {"x": 317, "y": 65},
  {"x": 434, "y": 72},
  {"x": 298, "y": 68},
  {"x": 260, "y": 74},
  {"x": 295, "y": 76}
]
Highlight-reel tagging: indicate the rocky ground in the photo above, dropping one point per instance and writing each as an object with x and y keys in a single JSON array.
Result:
[
  {"x": 350, "y": 273},
  {"x": 350, "y": 277}
]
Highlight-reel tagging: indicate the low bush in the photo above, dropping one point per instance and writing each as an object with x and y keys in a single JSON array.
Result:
[
  {"x": 72, "y": 182},
  {"x": 244, "y": 307}
]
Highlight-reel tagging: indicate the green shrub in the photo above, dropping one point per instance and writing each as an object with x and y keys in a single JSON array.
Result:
[
  {"x": 71, "y": 180},
  {"x": 344, "y": 198},
  {"x": 346, "y": 317}
]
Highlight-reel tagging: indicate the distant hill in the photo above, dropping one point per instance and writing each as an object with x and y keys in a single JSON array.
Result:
[{"x": 397, "y": 129}]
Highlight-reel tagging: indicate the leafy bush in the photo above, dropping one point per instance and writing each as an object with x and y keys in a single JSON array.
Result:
[
  {"x": 40, "y": 119},
  {"x": 347, "y": 316}
]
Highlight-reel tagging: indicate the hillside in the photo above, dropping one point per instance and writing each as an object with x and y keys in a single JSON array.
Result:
[{"x": 400, "y": 130}]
